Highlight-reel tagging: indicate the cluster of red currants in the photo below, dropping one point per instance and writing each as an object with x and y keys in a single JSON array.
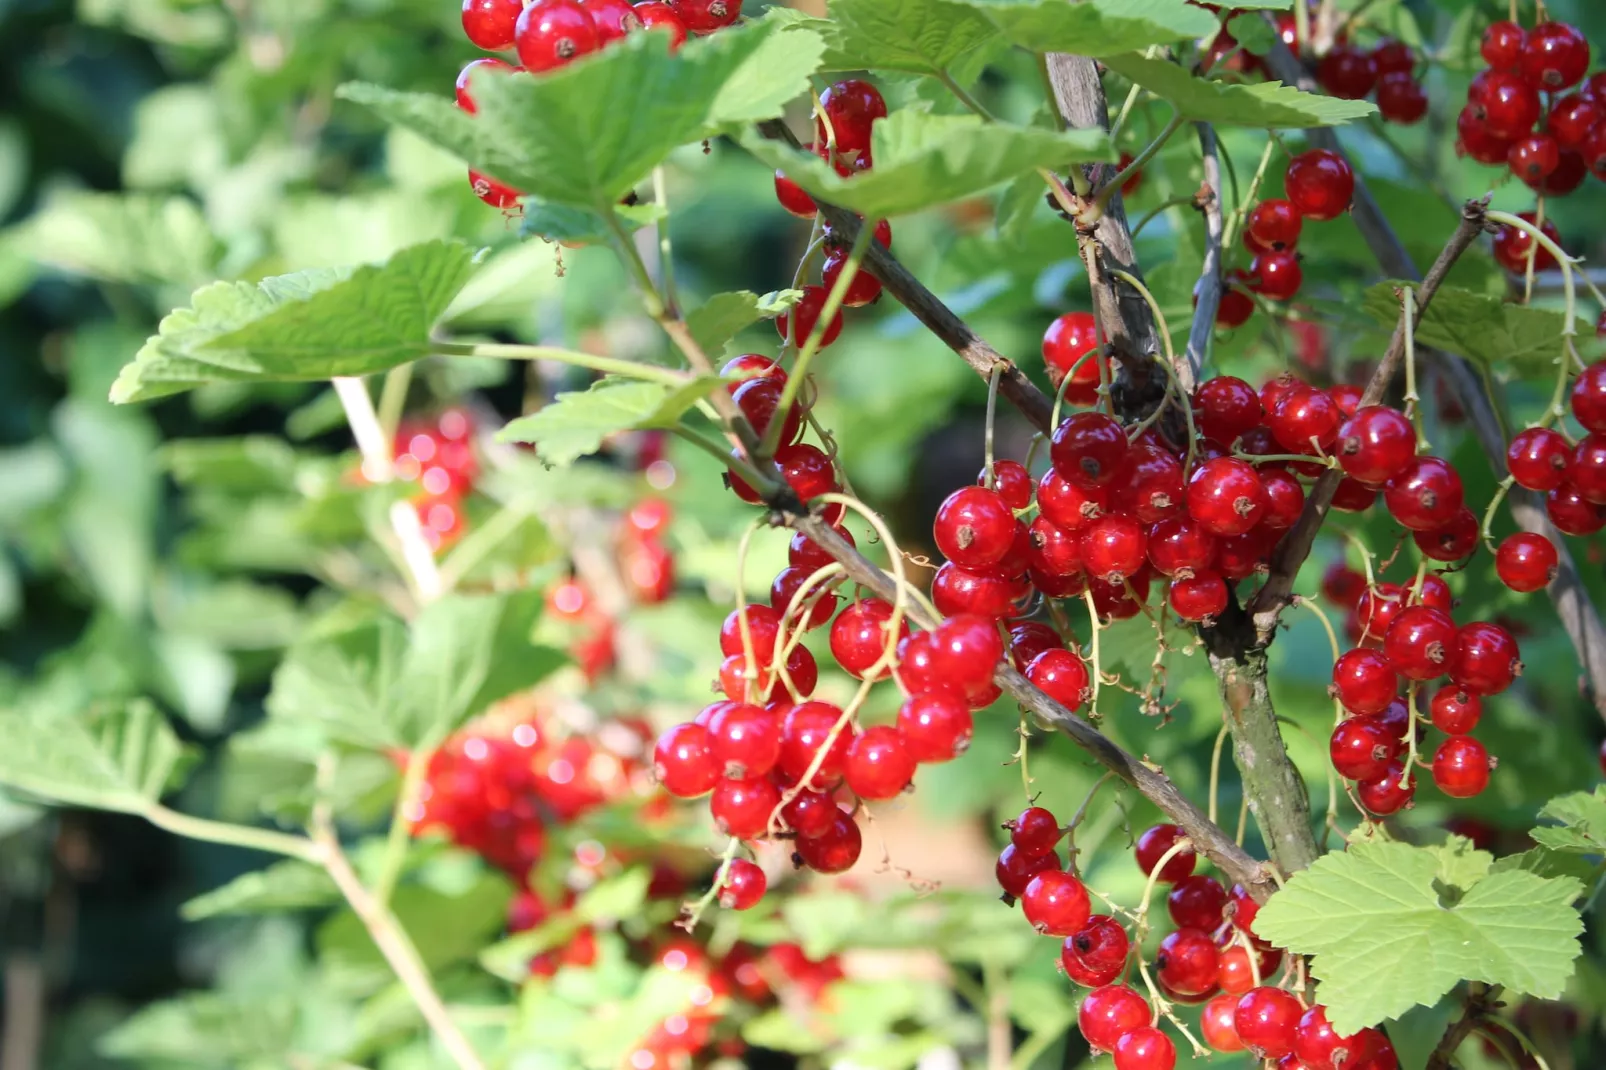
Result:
[
  {"x": 1519, "y": 115},
  {"x": 849, "y": 109},
  {"x": 1319, "y": 185},
  {"x": 1572, "y": 478},
  {"x": 437, "y": 453},
  {"x": 646, "y": 563},
  {"x": 1387, "y": 70},
  {"x": 548, "y": 34}
]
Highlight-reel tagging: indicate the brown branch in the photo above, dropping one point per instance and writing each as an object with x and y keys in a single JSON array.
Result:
[
  {"x": 1208, "y": 291},
  {"x": 1295, "y": 546},
  {"x": 1481, "y": 1000},
  {"x": 1209, "y": 838},
  {"x": 1013, "y": 384},
  {"x": 1580, "y": 619}
]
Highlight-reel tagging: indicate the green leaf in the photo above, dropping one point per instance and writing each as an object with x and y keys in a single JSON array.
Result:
[
  {"x": 310, "y": 325},
  {"x": 617, "y": 897},
  {"x": 288, "y": 885},
  {"x": 724, "y": 316},
  {"x": 1099, "y": 28},
  {"x": 561, "y": 222},
  {"x": 576, "y": 423},
  {"x": 923, "y": 36},
  {"x": 1583, "y": 823},
  {"x": 119, "y": 759},
  {"x": 924, "y": 160},
  {"x": 446, "y": 928},
  {"x": 135, "y": 239},
  {"x": 1387, "y": 931},
  {"x": 380, "y": 685},
  {"x": 566, "y": 136},
  {"x": 1268, "y": 104},
  {"x": 1252, "y": 33},
  {"x": 1482, "y": 328}
]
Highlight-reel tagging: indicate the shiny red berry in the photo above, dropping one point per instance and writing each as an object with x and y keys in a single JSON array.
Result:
[
  {"x": 1012, "y": 482},
  {"x": 1217, "y": 1022},
  {"x": 1202, "y": 596},
  {"x": 743, "y": 886},
  {"x": 1502, "y": 46},
  {"x": 853, "y": 106},
  {"x": 1107, "y": 1014},
  {"x": 657, "y": 15},
  {"x": 1276, "y": 275},
  {"x": 1347, "y": 72},
  {"x": 490, "y": 23},
  {"x": 879, "y": 764},
  {"x": 1266, "y": 1020},
  {"x": 484, "y": 64},
  {"x": 974, "y": 528},
  {"x": 745, "y": 740},
  {"x": 861, "y": 636},
  {"x": 1055, "y": 903},
  {"x": 1096, "y": 953},
  {"x": 1276, "y": 224},
  {"x": 936, "y": 726},
  {"x": 684, "y": 762},
  {"x": 808, "y": 310},
  {"x": 1508, "y": 105},
  {"x": 1180, "y": 547},
  {"x": 1145, "y": 1048},
  {"x": 793, "y": 198},
  {"x": 1513, "y": 247},
  {"x": 1197, "y": 902},
  {"x": 1420, "y": 643},
  {"x": 706, "y": 16},
  {"x": 1186, "y": 962},
  {"x": 1534, "y": 157},
  {"x": 1455, "y": 712},
  {"x": 1015, "y": 869},
  {"x": 1401, "y": 98},
  {"x": 492, "y": 192},
  {"x": 1587, "y": 471},
  {"x": 1461, "y": 767},
  {"x": 1588, "y": 398},
  {"x": 1320, "y": 183},
  {"x": 1426, "y": 494},
  {"x": 1526, "y": 562},
  {"x": 1376, "y": 444},
  {"x": 551, "y": 33},
  {"x": 1554, "y": 56},
  {"x": 742, "y": 808},
  {"x": 1364, "y": 681},
  {"x": 1453, "y": 541},
  {"x": 1088, "y": 449},
  {"x": 1061, "y": 675},
  {"x": 865, "y": 288},
  {"x": 1113, "y": 548},
  {"x": 804, "y": 732},
  {"x": 1305, "y": 420},
  {"x": 1572, "y": 513},
  {"x": 1485, "y": 659},
  {"x": 1362, "y": 747},
  {"x": 1153, "y": 845},
  {"x": 1571, "y": 119},
  {"x": 833, "y": 851},
  {"x": 1226, "y": 496},
  {"x": 1225, "y": 407},
  {"x": 1538, "y": 458},
  {"x": 1389, "y": 793}
]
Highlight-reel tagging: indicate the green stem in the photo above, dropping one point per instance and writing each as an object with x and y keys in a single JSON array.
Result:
[
  {"x": 964, "y": 98},
  {"x": 992, "y": 410},
  {"x": 1048, "y": 88},
  {"x": 607, "y": 365},
  {"x": 1126, "y": 109},
  {"x": 1241, "y": 207},
  {"x": 622, "y": 244},
  {"x": 255, "y": 839},
  {"x": 738, "y": 465},
  {"x": 393, "y": 398},
  {"x": 1174, "y": 202},
  {"x": 400, "y": 833},
  {"x": 1113, "y": 186},
  {"x": 666, "y": 260},
  {"x": 477, "y": 545}
]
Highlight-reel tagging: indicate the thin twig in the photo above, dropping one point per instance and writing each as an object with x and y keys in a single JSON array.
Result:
[
  {"x": 1480, "y": 1001},
  {"x": 1208, "y": 292}
]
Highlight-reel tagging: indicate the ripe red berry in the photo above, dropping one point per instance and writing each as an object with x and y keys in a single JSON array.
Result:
[
  {"x": 1197, "y": 902},
  {"x": 492, "y": 192},
  {"x": 615, "y": 19},
  {"x": 1401, "y": 98},
  {"x": 833, "y": 851},
  {"x": 1319, "y": 1047},
  {"x": 865, "y": 288},
  {"x": 1153, "y": 845},
  {"x": 1066, "y": 505},
  {"x": 1554, "y": 56},
  {"x": 936, "y": 726},
  {"x": 1320, "y": 183},
  {"x": 879, "y": 764},
  {"x": 1218, "y": 1025},
  {"x": 1588, "y": 398},
  {"x": 1015, "y": 869},
  {"x": 810, "y": 813},
  {"x": 1377, "y": 608},
  {"x": 706, "y": 16},
  {"x": 1035, "y": 831},
  {"x": 1587, "y": 472},
  {"x": 1145, "y": 1048},
  {"x": 814, "y": 608},
  {"x": 965, "y": 652},
  {"x": 805, "y": 554},
  {"x": 1066, "y": 341},
  {"x": 804, "y": 732},
  {"x": 1570, "y": 172},
  {"x": 1572, "y": 513},
  {"x": 655, "y": 14},
  {"x": 1526, "y": 562},
  {"x": 1096, "y": 953},
  {"x": 1362, "y": 747},
  {"x": 1538, "y": 458},
  {"x": 1426, "y": 494},
  {"x": 1199, "y": 597},
  {"x": 1062, "y": 676},
  {"x": 1485, "y": 660},
  {"x": 1509, "y": 106},
  {"x": 1571, "y": 119},
  {"x": 1266, "y": 1019},
  {"x": 485, "y": 63},
  {"x": 1453, "y": 541},
  {"x": 1107, "y": 1014},
  {"x": 1514, "y": 247},
  {"x": 551, "y": 33},
  {"x": 791, "y": 196},
  {"x": 1343, "y": 585},
  {"x": 1304, "y": 420},
  {"x": 1088, "y": 449},
  {"x": 745, "y": 740},
  {"x": 1055, "y": 903},
  {"x": 1236, "y": 305},
  {"x": 1186, "y": 962},
  {"x": 1389, "y": 793},
  {"x": 684, "y": 762},
  {"x": 763, "y": 628},
  {"x": 1534, "y": 157},
  {"x": 861, "y": 636},
  {"x": 1181, "y": 547},
  {"x": 1455, "y": 711},
  {"x": 974, "y": 528},
  {"x": 743, "y": 886},
  {"x": 955, "y": 590},
  {"x": 1364, "y": 681},
  {"x": 1275, "y": 224},
  {"x": 852, "y": 106},
  {"x": 1376, "y": 444},
  {"x": 1347, "y": 72},
  {"x": 1113, "y": 548},
  {"x": 1225, "y": 407},
  {"x": 1012, "y": 482},
  {"x": 1461, "y": 767},
  {"x": 490, "y": 23},
  {"x": 1502, "y": 46},
  {"x": 760, "y": 399},
  {"x": 1475, "y": 139},
  {"x": 1276, "y": 275},
  {"x": 808, "y": 309},
  {"x": 1226, "y": 496},
  {"x": 1149, "y": 486},
  {"x": 742, "y": 808},
  {"x": 1420, "y": 643}
]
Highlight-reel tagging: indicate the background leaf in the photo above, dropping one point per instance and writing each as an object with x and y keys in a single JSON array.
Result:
[
  {"x": 1495, "y": 333},
  {"x": 724, "y": 316},
  {"x": 923, "y": 36},
  {"x": 118, "y": 759},
  {"x": 1099, "y": 27},
  {"x": 577, "y": 423},
  {"x": 1267, "y": 104}
]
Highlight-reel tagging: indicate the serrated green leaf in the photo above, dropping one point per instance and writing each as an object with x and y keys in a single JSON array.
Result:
[
  {"x": 924, "y": 36},
  {"x": 562, "y": 222},
  {"x": 1252, "y": 33},
  {"x": 577, "y": 423},
  {"x": 1583, "y": 823},
  {"x": 1544, "y": 862},
  {"x": 567, "y": 138},
  {"x": 924, "y": 160},
  {"x": 136, "y": 239},
  {"x": 725, "y": 315},
  {"x": 1267, "y": 104},
  {"x": 124, "y": 758},
  {"x": 1099, "y": 28},
  {"x": 310, "y": 325},
  {"x": 1482, "y": 328},
  {"x": 288, "y": 885},
  {"x": 1387, "y": 932}
]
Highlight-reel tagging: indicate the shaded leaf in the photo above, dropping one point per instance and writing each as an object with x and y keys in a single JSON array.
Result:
[
  {"x": 577, "y": 423},
  {"x": 123, "y": 758},
  {"x": 924, "y": 36},
  {"x": 135, "y": 239},
  {"x": 1480, "y": 327},
  {"x": 724, "y": 316},
  {"x": 1583, "y": 823},
  {"x": 1266, "y": 104},
  {"x": 288, "y": 885},
  {"x": 1098, "y": 28}
]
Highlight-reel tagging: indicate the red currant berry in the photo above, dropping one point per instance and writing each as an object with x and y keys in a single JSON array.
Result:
[
  {"x": 955, "y": 590},
  {"x": 615, "y": 19},
  {"x": 1055, "y": 903},
  {"x": 1377, "y": 608},
  {"x": 1237, "y": 974},
  {"x": 1569, "y": 174},
  {"x": 1509, "y": 106},
  {"x": 1572, "y": 513},
  {"x": 1035, "y": 831},
  {"x": 805, "y": 554},
  {"x": 1053, "y": 551},
  {"x": 1236, "y": 305},
  {"x": 861, "y": 636},
  {"x": 706, "y": 16},
  {"x": 879, "y": 764},
  {"x": 655, "y": 14},
  {"x": 1266, "y": 1020},
  {"x": 1452, "y": 542},
  {"x": 1534, "y": 157},
  {"x": 804, "y": 732},
  {"x": 1587, "y": 472},
  {"x": 490, "y": 23},
  {"x": 1461, "y": 767},
  {"x": 1364, "y": 681},
  {"x": 1554, "y": 56},
  {"x": 750, "y": 366},
  {"x": 1475, "y": 139},
  {"x": 1015, "y": 869},
  {"x": 1362, "y": 747},
  {"x": 1197, "y": 902},
  {"x": 1107, "y": 1014},
  {"x": 484, "y": 63},
  {"x": 1513, "y": 248},
  {"x": 1538, "y": 458},
  {"x": 1275, "y": 225},
  {"x": 1353, "y": 496},
  {"x": 1062, "y": 676},
  {"x": 814, "y": 611},
  {"x": 835, "y": 850},
  {"x": 1202, "y": 596},
  {"x": 1066, "y": 505},
  {"x": 1149, "y": 486},
  {"x": 1276, "y": 275},
  {"x": 808, "y": 309},
  {"x": 936, "y": 726},
  {"x": 1240, "y": 556},
  {"x": 1321, "y": 183},
  {"x": 865, "y": 288},
  {"x": 1389, "y": 793},
  {"x": 1526, "y": 562},
  {"x": 684, "y": 762},
  {"x": 1226, "y": 496},
  {"x": 1342, "y": 585},
  {"x": 800, "y": 669},
  {"x": 1420, "y": 642},
  {"x": 551, "y": 33},
  {"x": 1571, "y": 119},
  {"x": 1588, "y": 398},
  {"x": 1029, "y": 639},
  {"x": 1180, "y": 547},
  {"x": 1153, "y": 845},
  {"x": 742, "y": 808},
  {"x": 743, "y": 886},
  {"x": 1066, "y": 341},
  {"x": 760, "y": 399},
  {"x": 853, "y": 106},
  {"x": 1218, "y": 1025},
  {"x": 492, "y": 192},
  {"x": 1426, "y": 494},
  {"x": 1096, "y": 953},
  {"x": 965, "y": 652},
  {"x": 1347, "y": 73},
  {"x": 1186, "y": 962},
  {"x": 1225, "y": 407},
  {"x": 1012, "y": 482},
  {"x": 745, "y": 739},
  {"x": 793, "y": 198},
  {"x": 1305, "y": 420},
  {"x": 1113, "y": 547},
  {"x": 1502, "y": 46},
  {"x": 1145, "y": 1048},
  {"x": 1401, "y": 98},
  {"x": 1455, "y": 712},
  {"x": 974, "y": 528},
  {"x": 1088, "y": 449},
  {"x": 810, "y": 813},
  {"x": 1376, "y": 444},
  {"x": 1319, "y": 1046},
  {"x": 1486, "y": 659}
]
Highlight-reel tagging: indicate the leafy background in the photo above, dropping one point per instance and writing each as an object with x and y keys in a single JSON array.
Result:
[{"x": 148, "y": 147}]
